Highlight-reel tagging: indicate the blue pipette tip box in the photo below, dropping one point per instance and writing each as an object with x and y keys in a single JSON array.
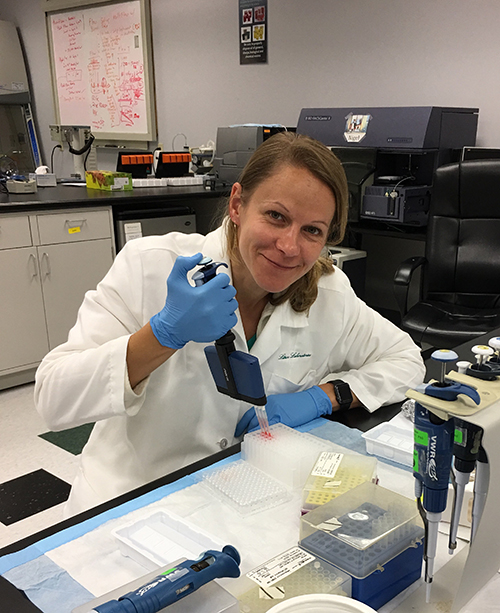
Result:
[{"x": 373, "y": 534}]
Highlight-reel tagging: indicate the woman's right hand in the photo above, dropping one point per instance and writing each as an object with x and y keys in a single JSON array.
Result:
[{"x": 201, "y": 314}]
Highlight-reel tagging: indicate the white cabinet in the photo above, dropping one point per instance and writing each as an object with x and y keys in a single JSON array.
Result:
[{"x": 48, "y": 260}]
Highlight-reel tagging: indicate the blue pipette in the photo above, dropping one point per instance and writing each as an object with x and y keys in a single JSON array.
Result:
[
  {"x": 175, "y": 583},
  {"x": 236, "y": 373},
  {"x": 432, "y": 459}
]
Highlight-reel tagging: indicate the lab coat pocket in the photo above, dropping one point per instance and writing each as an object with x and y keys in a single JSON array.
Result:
[{"x": 297, "y": 383}]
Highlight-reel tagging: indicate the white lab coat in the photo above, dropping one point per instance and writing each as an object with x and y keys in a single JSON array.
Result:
[{"x": 176, "y": 416}]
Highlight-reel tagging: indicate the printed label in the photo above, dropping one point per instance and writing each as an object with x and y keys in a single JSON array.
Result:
[
  {"x": 120, "y": 182},
  {"x": 356, "y": 127},
  {"x": 421, "y": 438},
  {"x": 280, "y": 567},
  {"x": 74, "y": 230},
  {"x": 415, "y": 460},
  {"x": 459, "y": 436},
  {"x": 327, "y": 464},
  {"x": 132, "y": 230}
]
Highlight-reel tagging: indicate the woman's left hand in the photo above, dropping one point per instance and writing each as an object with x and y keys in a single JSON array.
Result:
[{"x": 289, "y": 409}]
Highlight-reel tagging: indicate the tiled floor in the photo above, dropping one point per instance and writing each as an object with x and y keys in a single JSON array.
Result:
[{"x": 22, "y": 452}]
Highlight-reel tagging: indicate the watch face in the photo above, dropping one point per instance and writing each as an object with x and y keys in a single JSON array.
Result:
[{"x": 343, "y": 394}]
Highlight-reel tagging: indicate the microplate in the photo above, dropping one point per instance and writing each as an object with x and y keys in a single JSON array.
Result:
[
  {"x": 333, "y": 474},
  {"x": 292, "y": 573},
  {"x": 244, "y": 487},
  {"x": 287, "y": 455}
]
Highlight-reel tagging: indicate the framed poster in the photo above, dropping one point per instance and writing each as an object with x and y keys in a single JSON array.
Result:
[{"x": 253, "y": 31}]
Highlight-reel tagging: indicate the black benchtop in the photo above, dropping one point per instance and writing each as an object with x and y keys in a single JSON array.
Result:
[{"x": 64, "y": 196}]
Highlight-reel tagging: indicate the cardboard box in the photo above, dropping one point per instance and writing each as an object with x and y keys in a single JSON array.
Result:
[{"x": 108, "y": 180}]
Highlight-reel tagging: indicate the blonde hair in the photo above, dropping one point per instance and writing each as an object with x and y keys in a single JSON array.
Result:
[{"x": 289, "y": 149}]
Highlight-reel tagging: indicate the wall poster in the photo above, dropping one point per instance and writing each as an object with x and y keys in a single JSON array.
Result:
[{"x": 253, "y": 31}]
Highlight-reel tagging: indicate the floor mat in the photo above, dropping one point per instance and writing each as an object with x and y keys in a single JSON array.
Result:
[
  {"x": 27, "y": 495},
  {"x": 72, "y": 440}
]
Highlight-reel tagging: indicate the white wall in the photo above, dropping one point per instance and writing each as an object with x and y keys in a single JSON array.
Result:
[{"x": 321, "y": 53}]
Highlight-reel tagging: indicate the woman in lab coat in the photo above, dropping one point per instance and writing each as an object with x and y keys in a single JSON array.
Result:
[{"x": 134, "y": 361}]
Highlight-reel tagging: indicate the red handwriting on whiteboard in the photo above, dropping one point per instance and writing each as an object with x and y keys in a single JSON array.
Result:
[{"x": 100, "y": 67}]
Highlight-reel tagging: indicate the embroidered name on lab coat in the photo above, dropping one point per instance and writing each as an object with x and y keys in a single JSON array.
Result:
[{"x": 294, "y": 354}]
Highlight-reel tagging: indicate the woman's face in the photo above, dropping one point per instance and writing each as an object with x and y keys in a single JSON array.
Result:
[{"x": 282, "y": 227}]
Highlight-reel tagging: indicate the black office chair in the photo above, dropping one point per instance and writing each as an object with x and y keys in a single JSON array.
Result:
[{"x": 460, "y": 277}]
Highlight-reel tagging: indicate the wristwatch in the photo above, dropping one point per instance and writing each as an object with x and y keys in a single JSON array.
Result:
[{"x": 343, "y": 394}]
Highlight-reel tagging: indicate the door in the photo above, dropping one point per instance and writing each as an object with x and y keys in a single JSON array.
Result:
[
  {"x": 68, "y": 270},
  {"x": 23, "y": 333}
]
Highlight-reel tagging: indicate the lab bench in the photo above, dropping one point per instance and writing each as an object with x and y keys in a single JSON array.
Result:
[
  {"x": 349, "y": 425},
  {"x": 58, "y": 243},
  {"x": 37, "y": 545}
]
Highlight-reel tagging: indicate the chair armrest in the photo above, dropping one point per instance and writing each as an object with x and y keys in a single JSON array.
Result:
[{"x": 402, "y": 279}]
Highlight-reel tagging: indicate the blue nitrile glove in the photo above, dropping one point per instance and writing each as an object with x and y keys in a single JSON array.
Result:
[
  {"x": 202, "y": 314},
  {"x": 289, "y": 409}
]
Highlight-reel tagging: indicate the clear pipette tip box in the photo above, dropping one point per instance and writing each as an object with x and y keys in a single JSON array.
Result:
[
  {"x": 292, "y": 573},
  {"x": 245, "y": 488},
  {"x": 334, "y": 474},
  {"x": 371, "y": 533},
  {"x": 362, "y": 529},
  {"x": 287, "y": 455}
]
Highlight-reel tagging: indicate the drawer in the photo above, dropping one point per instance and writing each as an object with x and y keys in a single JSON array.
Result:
[
  {"x": 80, "y": 225},
  {"x": 15, "y": 232}
]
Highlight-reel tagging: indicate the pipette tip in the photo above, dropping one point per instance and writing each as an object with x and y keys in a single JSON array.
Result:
[
  {"x": 263, "y": 422},
  {"x": 428, "y": 592}
]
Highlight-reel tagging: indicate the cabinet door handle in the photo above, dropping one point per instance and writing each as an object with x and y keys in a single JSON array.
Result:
[
  {"x": 45, "y": 258},
  {"x": 75, "y": 223},
  {"x": 32, "y": 259}
]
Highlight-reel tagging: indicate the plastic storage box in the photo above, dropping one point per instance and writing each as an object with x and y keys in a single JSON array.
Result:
[
  {"x": 373, "y": 534},
  {"x": 333, "y": 474},
  {"x": 288, "y": 455},
  {"x": 161, "y": 538},
  {"x": 245, "y": 488},
  {"x": 292, "y": 573},
  {"x": 387, "y": 441}
]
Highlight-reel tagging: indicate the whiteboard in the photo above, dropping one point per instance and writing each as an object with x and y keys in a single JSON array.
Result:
[{"x": 101, "y": 70}]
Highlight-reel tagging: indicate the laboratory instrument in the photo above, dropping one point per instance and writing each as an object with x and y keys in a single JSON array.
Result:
[
  {"x": 433, "y": 457},
  {"x": 390, "y": 154},
  {"x": 481, "y": 483},
  {"x": 466, "y": 447},
  {"x": 79, "y": 140},
  {"x": 494, "y": 343},
  {"x": 18, "y": 139},
  {"x": 171, "y": 163},
  {"x": 175, "y": 583},
  {"x": 235, "y": 146},
  {"x": 138, "y": 163},
  {"x": 236, "y": 373}
]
